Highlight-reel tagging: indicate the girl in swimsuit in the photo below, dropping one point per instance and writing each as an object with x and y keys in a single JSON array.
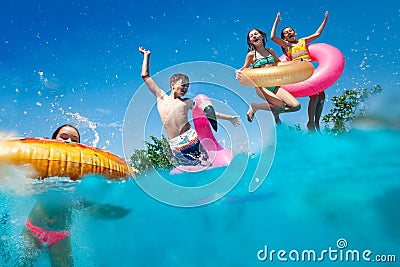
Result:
[
  {"x": 49, "y": 222},
  {"x": 278, "y": 99},
  {"x": 297, "y": 50}
]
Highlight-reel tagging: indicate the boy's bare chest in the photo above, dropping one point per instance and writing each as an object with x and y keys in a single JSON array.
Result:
[{"x": 168, "y": 106}]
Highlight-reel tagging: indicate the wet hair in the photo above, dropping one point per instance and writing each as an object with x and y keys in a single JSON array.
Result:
[
  {"x": 179, "y": 76},
  {"x": 54, "y": 136},
  {"x": 249, "y": 45}
]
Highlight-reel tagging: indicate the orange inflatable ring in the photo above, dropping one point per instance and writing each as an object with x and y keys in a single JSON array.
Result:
[
  {"x": 50, "y": 158},
  {"x": 282, "y": 74}
]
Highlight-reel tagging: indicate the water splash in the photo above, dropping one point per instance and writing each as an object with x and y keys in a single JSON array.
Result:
[
  {"x": 84, "y": 122},
  {"x": 14, "y": 179}
]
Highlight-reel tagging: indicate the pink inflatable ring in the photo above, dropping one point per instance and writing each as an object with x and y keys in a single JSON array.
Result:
[
  {"x": 218, "y": 155},
  {"x": 330, "y": 67}
]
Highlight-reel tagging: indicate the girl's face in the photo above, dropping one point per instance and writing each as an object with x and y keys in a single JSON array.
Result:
[
  {"x": 68, "y": 134},
  {"x": 256, "y": 38},
  {"x": 289, "y": 34}
]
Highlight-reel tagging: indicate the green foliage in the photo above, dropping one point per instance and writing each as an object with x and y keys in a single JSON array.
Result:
[
  {"x": 348, "y": 106},
  {"x": 140, "y": 161},
  {"x": 157, "y": 154}
]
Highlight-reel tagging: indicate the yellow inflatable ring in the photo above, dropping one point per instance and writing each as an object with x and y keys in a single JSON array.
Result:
[
  {"x": 50, "y": 157},
  {"x": 282, "y": 74}
]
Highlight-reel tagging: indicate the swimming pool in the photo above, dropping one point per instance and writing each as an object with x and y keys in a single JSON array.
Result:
[{"x": 345, "y": 192}]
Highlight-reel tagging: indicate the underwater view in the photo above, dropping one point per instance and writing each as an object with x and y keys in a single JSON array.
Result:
[
  {"x": 350, "y": 192},
  {"x": 275, "y": 193}
]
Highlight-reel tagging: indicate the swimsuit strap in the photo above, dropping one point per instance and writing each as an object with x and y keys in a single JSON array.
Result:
[
  {"x": 255, "y": 53},
  {"x": 267, "y": 59}
]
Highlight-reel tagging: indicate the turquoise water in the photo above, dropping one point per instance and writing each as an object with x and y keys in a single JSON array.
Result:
[{"x": 321, "y": 188}]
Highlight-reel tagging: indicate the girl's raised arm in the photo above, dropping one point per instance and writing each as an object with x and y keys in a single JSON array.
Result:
[
  {"x": 319, "y": 30},
  {"x": 273, "y": 36}
]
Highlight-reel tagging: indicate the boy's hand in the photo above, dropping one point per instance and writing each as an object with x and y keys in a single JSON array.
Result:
[
  {"x": 144, "y": 51},
  {"x": 235, "y": 121}
]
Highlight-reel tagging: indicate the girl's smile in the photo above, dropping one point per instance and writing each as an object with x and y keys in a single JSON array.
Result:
[{"x": 255, "y": 37}]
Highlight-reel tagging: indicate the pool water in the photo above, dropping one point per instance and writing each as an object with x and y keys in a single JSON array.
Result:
[{"x": 321, "y": 189}]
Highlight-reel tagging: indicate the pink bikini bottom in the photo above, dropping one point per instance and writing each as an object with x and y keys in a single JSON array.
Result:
[{"x": 46, "y": 238}]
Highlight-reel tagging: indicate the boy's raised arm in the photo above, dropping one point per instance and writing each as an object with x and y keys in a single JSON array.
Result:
[{"x": 146, "y": 74}]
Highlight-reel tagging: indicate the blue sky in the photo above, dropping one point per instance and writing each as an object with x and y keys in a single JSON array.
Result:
[{"x": 77, "y": 61}]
